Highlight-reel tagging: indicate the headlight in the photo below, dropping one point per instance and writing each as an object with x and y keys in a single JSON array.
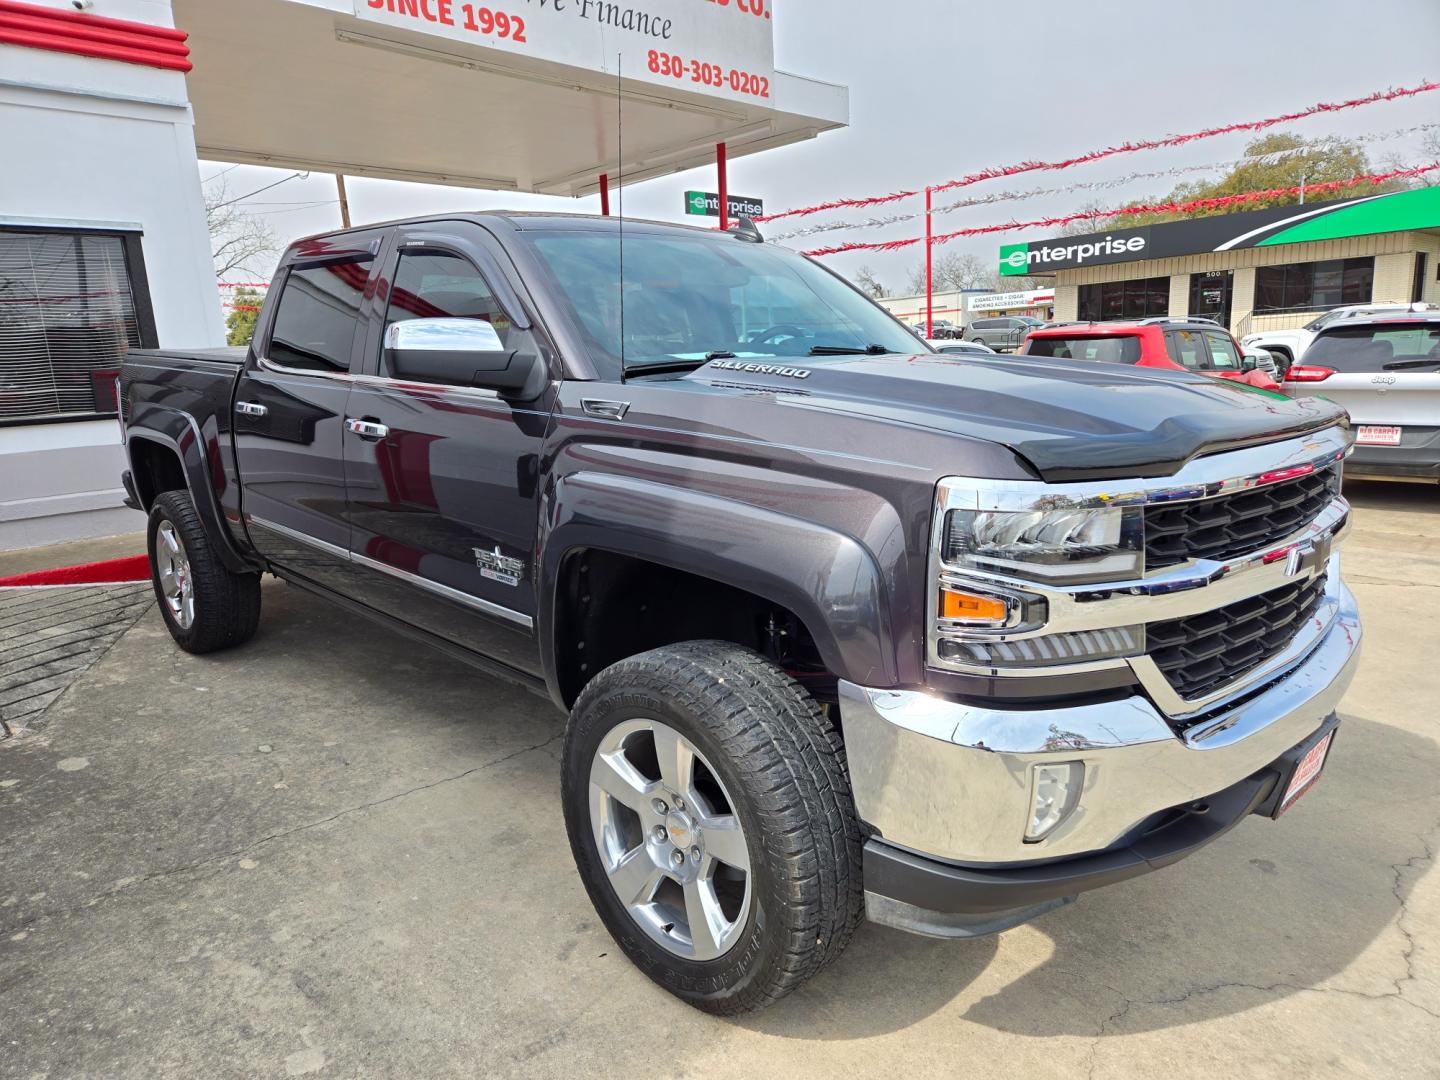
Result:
[{"x": 1061, "y": 546}]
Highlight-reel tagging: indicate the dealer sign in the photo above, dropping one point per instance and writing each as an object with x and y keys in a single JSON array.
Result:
[
  {"x": 724, "y": 48},
  {"x": 707, "y": 204}
]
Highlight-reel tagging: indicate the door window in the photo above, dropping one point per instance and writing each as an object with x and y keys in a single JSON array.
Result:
[
  {"x": 440, "y": 285},
  {"x": 315, "y": 322},
  {"x": 1187, "y": 348},
  {"x": 1221, "y": 353}
]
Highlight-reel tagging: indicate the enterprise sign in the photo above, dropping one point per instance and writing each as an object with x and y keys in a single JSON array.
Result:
[{"x": 1395, "y": 212}]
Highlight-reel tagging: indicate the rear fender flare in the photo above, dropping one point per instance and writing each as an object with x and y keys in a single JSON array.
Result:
[{"x": 200, "y": 462}]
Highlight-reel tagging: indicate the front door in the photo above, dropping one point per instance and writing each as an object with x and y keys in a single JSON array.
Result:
[
  {"x": 290, "y": 410},
  {"x": 1210, "y": 295},
  {"x": 443, "y": 479}
]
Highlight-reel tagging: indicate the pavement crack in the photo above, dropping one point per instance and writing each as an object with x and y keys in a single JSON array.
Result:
[
  {"x": 214, "y": 860},
  {"x": 1355, "y": 580},
  {"x": 1399, "y": 870}
]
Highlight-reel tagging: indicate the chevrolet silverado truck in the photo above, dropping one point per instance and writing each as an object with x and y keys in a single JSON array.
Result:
[{"x": 844, "y": 628}]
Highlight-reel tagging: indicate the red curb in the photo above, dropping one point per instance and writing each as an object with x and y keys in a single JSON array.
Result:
[{"x": 130, "y": 568}]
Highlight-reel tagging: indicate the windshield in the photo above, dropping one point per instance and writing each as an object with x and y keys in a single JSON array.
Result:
[
  {"x": 1107, "y": 350},
  {"x": 688, "y": 297},
  {"x": 1376, "y": 347}
]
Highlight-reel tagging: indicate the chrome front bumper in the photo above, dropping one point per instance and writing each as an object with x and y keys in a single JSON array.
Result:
[{"x": 952, "y": 781}]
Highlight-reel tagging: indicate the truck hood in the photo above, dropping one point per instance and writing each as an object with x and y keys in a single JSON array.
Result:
[{"x": 1070, "y": 420}]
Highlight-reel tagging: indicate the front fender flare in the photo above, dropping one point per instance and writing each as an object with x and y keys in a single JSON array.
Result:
[{"x": 826, "y": 578}]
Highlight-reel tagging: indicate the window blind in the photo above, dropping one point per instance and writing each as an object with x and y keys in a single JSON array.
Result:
[{"x": 67, "y": 316}]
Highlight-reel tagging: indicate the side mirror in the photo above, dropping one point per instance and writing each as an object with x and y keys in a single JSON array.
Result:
[
  {"x": 1249, "y": 363},
  {"x": 460, "y": 352}
]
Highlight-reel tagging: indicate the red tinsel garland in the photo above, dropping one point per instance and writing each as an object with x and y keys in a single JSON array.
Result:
[
  {"x": 1096, "y": 155},
  {"x": 1147, "y": 208}
]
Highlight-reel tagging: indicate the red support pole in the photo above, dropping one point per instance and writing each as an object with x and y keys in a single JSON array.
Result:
[
  {"x": 929, "y": 269},
  {"x": 724, "y": 186},
  {"x": 605, "y": 194}
]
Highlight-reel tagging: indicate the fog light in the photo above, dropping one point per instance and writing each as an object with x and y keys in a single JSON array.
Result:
[{"x": 1055, "y": 794}]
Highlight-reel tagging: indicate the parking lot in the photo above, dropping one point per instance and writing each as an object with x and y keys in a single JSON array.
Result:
[{"x": 333, "y": 853}]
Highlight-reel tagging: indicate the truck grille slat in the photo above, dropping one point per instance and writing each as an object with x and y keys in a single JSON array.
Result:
[
  {"x": 1229, "y": 525},
  {"x": 1206, "y": 651}
]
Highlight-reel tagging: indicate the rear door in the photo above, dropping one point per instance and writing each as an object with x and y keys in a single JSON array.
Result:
[
  {"x": 290, "y": 410},
  {"x": 443, "y": 480},
  {"x": 1386, "y": 375},
  {"x": 1220, "y": 356}
]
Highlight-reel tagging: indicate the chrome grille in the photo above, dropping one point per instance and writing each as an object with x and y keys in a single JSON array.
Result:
[
  {"x": 1204, "y": 652},
  {"x": 1229, "y": 525}
]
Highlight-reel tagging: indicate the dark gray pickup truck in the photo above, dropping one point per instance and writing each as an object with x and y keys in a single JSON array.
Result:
[{"x": 843, "y": 629}]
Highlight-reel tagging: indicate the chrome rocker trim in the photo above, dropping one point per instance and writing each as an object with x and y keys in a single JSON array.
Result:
[{"x": 463, "y": 598}]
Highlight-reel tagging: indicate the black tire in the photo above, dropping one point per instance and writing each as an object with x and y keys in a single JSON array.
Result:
[
  {"x": 226, "y": 604},
  {"x": 782, "y": 760}
]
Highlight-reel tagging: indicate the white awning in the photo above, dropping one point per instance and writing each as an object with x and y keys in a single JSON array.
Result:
[{"x": 307, "y": 84}]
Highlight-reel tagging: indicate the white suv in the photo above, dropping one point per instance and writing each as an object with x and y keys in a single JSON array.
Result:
[
  {"x": 1293, "y": 343},
  {"x": 1384, "y": 370}
]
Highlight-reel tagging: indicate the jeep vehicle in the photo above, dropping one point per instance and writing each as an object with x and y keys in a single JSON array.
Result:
[
  {"x": 1384, "y": 370},
  {"x": 1291, "y": 345},
  {"x": 1198, "y": 345},
  {"x": 843, "y": 628}
]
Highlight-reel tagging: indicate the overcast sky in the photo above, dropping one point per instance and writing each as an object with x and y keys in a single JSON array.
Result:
[{"x": 942, "y": 88}]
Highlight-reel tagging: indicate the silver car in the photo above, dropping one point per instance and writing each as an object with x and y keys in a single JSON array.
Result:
[
  {"x": 1003, "y": 334},
  {"x": 1385, "y": 371}
]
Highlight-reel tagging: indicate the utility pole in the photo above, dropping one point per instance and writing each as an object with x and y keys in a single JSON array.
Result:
[
  {"x": 929, "y": 266},
  {"x": 344, "y": 202}
]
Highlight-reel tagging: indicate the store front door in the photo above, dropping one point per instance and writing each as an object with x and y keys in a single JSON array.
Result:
[{"x": 1210, "y": 295}]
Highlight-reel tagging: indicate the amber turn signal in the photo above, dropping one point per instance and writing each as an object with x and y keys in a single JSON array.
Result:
[{"x": 973, "y": 608}]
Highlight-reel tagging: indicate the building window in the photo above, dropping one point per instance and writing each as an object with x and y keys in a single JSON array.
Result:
[
  {"x": 1139, "y": 298},
  {"x": 1313, "y": 286},
  {"x": 68, "y": 313}
]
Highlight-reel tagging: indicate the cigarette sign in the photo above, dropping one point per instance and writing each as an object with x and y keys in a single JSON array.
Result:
[
  {"x": 707, "y": 204},
  {"x": 721, "y": 47}
]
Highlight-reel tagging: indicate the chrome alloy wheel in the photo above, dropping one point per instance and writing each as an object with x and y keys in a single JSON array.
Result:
[
  {"x": 669, "y": 839},
  {"x": 173, "y": 567}
]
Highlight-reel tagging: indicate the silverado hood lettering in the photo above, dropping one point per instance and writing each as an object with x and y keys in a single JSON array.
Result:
[{"x": 1069, "y": 419}]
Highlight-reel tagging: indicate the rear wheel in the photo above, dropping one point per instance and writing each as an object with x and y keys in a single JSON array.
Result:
[
  {"x": 709, "y": 813},
  {"x": 205, "y": 605}
]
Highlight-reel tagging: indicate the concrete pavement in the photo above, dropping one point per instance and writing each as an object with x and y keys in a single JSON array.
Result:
[{"x": 333, "y": 853}]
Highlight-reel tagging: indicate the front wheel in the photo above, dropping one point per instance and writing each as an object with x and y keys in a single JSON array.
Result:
[{"x": 709, "y": 812}]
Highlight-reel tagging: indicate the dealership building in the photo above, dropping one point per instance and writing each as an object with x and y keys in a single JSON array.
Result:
[
  {"x": 1259, "y": 270},
  {"x": 106, "y": 112}
]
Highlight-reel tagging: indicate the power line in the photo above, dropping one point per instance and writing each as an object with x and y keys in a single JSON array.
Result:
[{"x": 257, "y": 191}]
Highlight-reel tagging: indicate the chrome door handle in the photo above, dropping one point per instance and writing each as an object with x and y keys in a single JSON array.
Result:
[
  {"x": 250, "y": 408},
  {"x": 367, "y": 429}
]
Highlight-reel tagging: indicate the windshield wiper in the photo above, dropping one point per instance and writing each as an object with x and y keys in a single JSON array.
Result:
[
  {"x": 1398, "y": 365},
  {"x": 719, "y": 354},
  {"x": 848, "y": 350}
]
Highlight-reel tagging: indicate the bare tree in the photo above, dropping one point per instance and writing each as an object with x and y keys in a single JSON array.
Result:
[
  {"x": 952, "y": 270},
  {"x": 238, "y": 241},
  {"x": 869, "y": 284}
]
